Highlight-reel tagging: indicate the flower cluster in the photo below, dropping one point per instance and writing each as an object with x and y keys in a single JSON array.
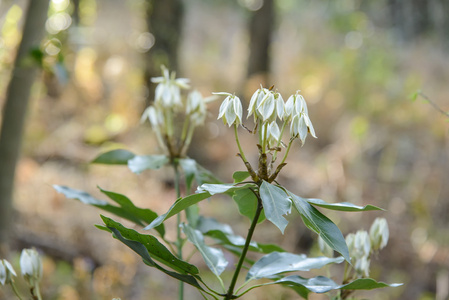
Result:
[
  {"x": 271, "y": 116},
  {"x": 362, "y": 244},
  {"x": 169, "y": 108}
]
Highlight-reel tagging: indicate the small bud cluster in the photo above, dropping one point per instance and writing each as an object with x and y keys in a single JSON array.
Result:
[
  {"x": 31, "y": 267},
  {"x": 169, "y": 107},
  {"x": 362, "y": 244},
  {"x": 6, "y": 272},
  {"x": 271, "y": 116}
]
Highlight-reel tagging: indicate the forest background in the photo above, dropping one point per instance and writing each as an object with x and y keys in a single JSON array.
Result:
[{"x": 359, "y": 65}]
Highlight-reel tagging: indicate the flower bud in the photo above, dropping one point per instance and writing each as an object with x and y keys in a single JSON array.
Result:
[
  {"x": 31, "y": 266},
  {"x": 168, "y": 90},
  {"x": 361, "y": 266},
  {"x": 6, "y": 272},
  {"x": 296, "y": 111},
  {"x": 362, "y": 243},
  {"x": 230, "y": 109},
  {"x": 379, "y": 233},
  {"x": 273, "y": 134}
]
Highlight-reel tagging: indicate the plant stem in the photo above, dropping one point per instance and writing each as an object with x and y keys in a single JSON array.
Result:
[
  {"x": 230, "y": 293},
  {"x": 286, "y": 151},
  {"x": 178, "y": 227},
  {"x": 238, "y": 144},
  {"x": 16, "y": 292}
]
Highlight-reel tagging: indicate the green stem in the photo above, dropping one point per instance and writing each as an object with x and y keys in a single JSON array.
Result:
[
  {"x": 230, "y": 293},
  {"x": 286, "y": 151},
  {"x": 16, "y": 292},
  {"x": 178, "y": 226},
  {"x": 278, "y": 144},
  {"x": 238, "y": 144}
]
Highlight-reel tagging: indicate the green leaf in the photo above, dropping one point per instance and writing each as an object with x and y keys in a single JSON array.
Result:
[
  {"x": 178, "y": 206},
  {"x": 276, "y": 203},
  {"x": 140, "y": 163},
  {"x": 239, "y": 176},
  {"x": 126, "y": 210},
  {"x": 247, "y": 204},
  {"x": 114, "y": 157},
  {"x": 342, "y": 206},
  {"x": 147, "y": 246},
  {"x": 140, "y": 249},
  {"x": 146, "y": 215},
  {"x": 320, "y": 284},
  {"x": 367, "y": 284},
  {"x": 277, "y": 263},
  {"x": 321, "y": 225},
  {"x": 213, "y": 257},
  {"x": 79, "y": 195},
  {"x": 223, "y": 188}
]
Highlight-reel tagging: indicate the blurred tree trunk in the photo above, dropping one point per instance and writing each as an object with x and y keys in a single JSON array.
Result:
[
  {"x": 260, "y": 31},
  {"x": 164, "y": 19},
  {"x": 14, "y": 111},
  {"x": 411, "y": 18}
]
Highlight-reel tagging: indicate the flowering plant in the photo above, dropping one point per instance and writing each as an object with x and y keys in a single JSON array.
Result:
[{"x": 256, "y": 191}]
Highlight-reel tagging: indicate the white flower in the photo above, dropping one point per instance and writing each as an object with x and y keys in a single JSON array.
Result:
[
  {"x": 155, "y": 117},
  {"x": 361, "y": 266},
  {"x": 230, "y": 109},
  {"x": 168, "y": 90},
  {"x": 6, "y": 272},
  {"x": 295, "y": 110},
  {"x": 196, "y": 107},
  {"x": 362, "y": 243},
  {"x": 31, "y": 266},
  {"x": 273, "y": 134},
  {"x": 379, "y": 233},
  {"x": 266, "y": 105}
]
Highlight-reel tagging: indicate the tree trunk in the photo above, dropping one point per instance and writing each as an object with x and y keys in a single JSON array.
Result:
[
  {"x": 164, "y": 19},
  {"x": 14, "y": 111},
  {"x": 260, "y": 32}
]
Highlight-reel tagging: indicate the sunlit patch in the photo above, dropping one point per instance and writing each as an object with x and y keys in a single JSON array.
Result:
[
  {"x": 58, "y": 22},
  {"x": 60, "y": 5},
  {"x": 144, "y": 42},
  {"x": 252, "y": 5},
  {"x": 53, "y": 47}
]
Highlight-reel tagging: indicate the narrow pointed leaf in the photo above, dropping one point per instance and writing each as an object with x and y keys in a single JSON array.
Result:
[
  {"x": 223, "y": 188},
  {"x": 213, "y": 257},
  {"x": 320, "y": 284},
  {"x": 367, "y": 284},
  {"x": 148, "y": 247},
  {"x": 276, "y": 203},
  {"x": 321, "y": 225},
  {"x": 342, "y": 206},
  {"x": 247, "y": 204},
  {"x": 126, "y": 210},
  {"x": 140, "y": 249},
  {"x": 276, "y": 263},
  {"x": 146, "y": 215},
  {"x": 178, "y": 206},
  {"x": 114, "y": 157},
  {"x": 140, "y": 163}
]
